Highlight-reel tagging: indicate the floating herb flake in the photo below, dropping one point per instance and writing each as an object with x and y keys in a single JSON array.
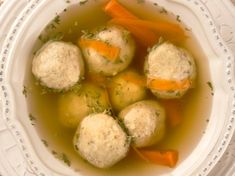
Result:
[
  {"x": 54, "y": 152},
  {"x": 32, "y": 119},
  {"x": 87, "y": 34},
  {"x": 54, "y": 37},
  {"x": 188, "y": 29},
  {"x": 44, "y": 142},
  {"x": 163, "y": 10},
  {"x": 40, "y": 38},
  {"x": 57, "y": 19},
  {"x": 178, "y": 18},
  {"x": 61, "y": 156},
  {"x": 83, "y": 2},
  {"x": 156, "y": 4},
  {"x": 211, "y": 87},
  {"x": 65, "y": 159},
  {"x": 24, "y": 91}
]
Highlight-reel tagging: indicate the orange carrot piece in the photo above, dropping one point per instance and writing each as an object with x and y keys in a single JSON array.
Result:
[
  {"x": 109, "y": 52},
  {"x": 143, "y": 35},
  {"x": 136, "y": 150},
  {"x": 173, "y": 111},
  {"x": 116, "y": 10},
  {"x": 164, "y": 85},
  {"x": 135, "y": 78},
  {"x": 169, "y": 31},
  {"x": 167, "y": 158},
  {"x": 96, "y": 78}
]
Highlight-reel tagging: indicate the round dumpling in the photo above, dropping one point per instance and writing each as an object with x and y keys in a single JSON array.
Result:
[
  {"x": 101, "y": 141},
  {"x": 126, "y": 88},
  {"x": 145, "y": 122},
  {"x": 73, "y": 106},
  {"x": 170, "y": 71},
  {"x": 58, "y": 65},
  {"x": 108, "y": 50}
]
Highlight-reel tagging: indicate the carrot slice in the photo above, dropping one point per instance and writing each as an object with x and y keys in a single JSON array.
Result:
[
  {"x": 116, "y": 10},
  {"x": 96, "y": 78},
  {"x": 173, "y": 111},
  {"x": 165, "y": 85},
  {"x": 134, "y": 78},
  {"x": 109, "y": 52},
  {"x": 167, "y": 158},
  {"x": 143, "y": 35},
  {"x": 168, "y": 30}
]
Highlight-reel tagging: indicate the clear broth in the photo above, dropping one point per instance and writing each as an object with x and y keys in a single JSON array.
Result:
[{"x": 184, "y": 138}]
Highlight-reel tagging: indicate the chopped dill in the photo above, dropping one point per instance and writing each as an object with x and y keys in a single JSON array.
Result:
[
  {"x": 76, "y": 89},
  {"x": 188, "y": 29},
  {"x": 211, "y": 87},
  {"x": 61, "y": 156},
  {"x": 32, "y": 119},
  {"x": 25, "y": 91},
  {"x": 163, "y": 10},
  {"x": 129, "y": 138},
  {"x": 109, "y": 111},
  {"x": 178, "y": 94},
  {"x": 52, "y": 26},
  {"x": 65, "y": 159},
  {"x": 57, "y": 19},
  {"x": 53, "y": 37},
  {"x": 40, "y": 38},
  {"x": 54, "y": 152},
  {"x": 178, "y": 18},
  {"x": 76, "y": 147},
  {"x": 82, "y": 2},
  {"x": 87, "y": 34},
  {"x": 45, "y": 142}
]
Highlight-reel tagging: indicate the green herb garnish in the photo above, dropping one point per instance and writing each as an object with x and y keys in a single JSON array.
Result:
[
  {"x": 178, "y": 18},
  {"x": 83, "y": 2},
  {"x": 32, "y": 119},
  {"x": 65, "y": 159},
  {"x": 24, "y": 91},
  {"x": 53, "y": 37},
  {"x": 163, "y": 10},
  {"x": 61, "y": 156},
  {"x": 45, "y": 142},
  {"x": 211, "y": 87},
  {"x": 57, "y": 19}
]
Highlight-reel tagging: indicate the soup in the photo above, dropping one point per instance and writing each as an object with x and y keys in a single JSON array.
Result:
[{"x": 43, "y": 102}]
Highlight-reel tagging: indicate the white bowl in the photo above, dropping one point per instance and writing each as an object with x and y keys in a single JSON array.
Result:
[{"x": 25, "y": 152}]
